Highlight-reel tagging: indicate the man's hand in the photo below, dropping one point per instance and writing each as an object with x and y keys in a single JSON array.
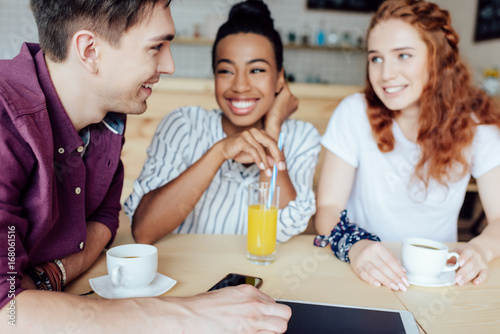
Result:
[{"x": 240, "y": 309}]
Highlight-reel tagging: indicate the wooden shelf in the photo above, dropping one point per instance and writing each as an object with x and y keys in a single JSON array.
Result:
[
  {"x": 336, "y": 48},
  {"x": 205, "y": 41}
]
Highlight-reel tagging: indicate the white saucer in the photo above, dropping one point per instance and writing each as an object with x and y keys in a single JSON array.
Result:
[
  {"x": 444, "y": 279},
  {"x": 105, "y": 288}
]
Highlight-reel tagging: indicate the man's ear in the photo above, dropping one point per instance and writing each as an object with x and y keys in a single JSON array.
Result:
[
  {"x": 281, "y": 81},
  {"x": 84, "y": 45}
]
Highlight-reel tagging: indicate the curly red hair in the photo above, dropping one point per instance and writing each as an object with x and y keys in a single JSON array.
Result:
[{"x": 451, "y": 107}]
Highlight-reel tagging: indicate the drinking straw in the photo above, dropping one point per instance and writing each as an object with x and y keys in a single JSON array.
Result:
[{"x": 273, "y": 177}]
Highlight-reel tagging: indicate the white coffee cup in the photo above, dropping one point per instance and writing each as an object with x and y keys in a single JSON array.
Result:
[
  {"x": 426, "y": 258},
  {"x": 132, "y": 266}
]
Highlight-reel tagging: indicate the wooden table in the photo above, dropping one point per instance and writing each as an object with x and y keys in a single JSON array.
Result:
[{"x": 304, "y": 272}]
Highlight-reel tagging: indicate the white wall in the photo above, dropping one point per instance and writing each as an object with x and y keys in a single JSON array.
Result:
[{"x": 17, "y": 25}]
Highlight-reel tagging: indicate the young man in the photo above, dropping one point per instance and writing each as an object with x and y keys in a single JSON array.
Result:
[{"x": 62, "y": 110}]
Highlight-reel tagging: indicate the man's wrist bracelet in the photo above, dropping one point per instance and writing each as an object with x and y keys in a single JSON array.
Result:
[
  {"x": 35, "y": 277},
  {"x": 62, "y": 270}
]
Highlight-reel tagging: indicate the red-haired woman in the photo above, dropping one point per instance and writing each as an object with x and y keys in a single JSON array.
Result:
[{"x": 400, "y": 156}]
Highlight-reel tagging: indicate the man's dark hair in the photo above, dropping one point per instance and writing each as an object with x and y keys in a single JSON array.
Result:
[
  {"x": 251, "y": 16},
  {"x": 59, "y": 20}
]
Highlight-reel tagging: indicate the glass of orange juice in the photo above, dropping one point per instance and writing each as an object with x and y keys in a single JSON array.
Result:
[{"x": 262, "y": 222}]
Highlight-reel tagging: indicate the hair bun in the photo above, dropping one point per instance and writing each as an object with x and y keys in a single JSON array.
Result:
[
  {"x": 254, "y": 17},
  {"x": 255, "y": 11}
]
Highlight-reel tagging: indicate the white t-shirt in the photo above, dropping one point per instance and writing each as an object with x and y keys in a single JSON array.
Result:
[
  {"x": 186, "y": 134},
  {"x": 385, "y": 198}
]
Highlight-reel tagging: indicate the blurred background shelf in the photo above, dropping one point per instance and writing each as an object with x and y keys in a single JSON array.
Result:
[{"x": 334, "y": 48}]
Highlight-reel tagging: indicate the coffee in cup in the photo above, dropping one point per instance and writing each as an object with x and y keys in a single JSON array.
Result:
[
  {"x": 132, "y": 266},
  {"x": 427, "y": 258}
]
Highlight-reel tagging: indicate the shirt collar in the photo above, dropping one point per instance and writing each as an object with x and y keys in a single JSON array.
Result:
[{"x": 114, "y": 122}]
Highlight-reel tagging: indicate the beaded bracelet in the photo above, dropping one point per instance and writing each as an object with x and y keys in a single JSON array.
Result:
[
  {"x": 48, "y": 276},
  {"x": 343, "y": 236},
  {"x": 59, "y": 265},
  {"x": 35, "y": 277},
  {"x": 43, "y": 277},
  {"x": 54, "y": 276}
]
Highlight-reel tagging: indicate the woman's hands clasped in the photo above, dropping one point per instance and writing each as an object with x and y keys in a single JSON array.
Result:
[
  {"x": 253, "y": 146},
  {"x": 260, "y": 146}
]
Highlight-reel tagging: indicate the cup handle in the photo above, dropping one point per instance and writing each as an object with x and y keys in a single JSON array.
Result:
[
  {"x": 455, "y": 266},
  {"x": 117, "y": 275}
]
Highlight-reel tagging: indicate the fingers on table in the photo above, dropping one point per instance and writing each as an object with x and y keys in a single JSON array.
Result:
[
  {"x": 382, "y": 275},
  {"x": 481, "y": 278},
  {"x": 380, "y": 267},
  {"x": 472, "y": 268}
]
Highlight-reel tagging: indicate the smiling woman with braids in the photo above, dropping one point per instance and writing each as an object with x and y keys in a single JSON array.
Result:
[{"x": 400, "y": 156}]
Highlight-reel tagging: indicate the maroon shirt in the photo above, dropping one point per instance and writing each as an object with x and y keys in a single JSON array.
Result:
[{"x": 48, "y": 191}]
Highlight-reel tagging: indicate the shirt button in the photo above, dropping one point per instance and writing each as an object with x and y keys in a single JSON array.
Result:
[
  {"x": 78, "y": 190},
  {"x": 80, "y": 149},
  {"x": 81, "y": 245},
  {"x": 61, "y": 150}
]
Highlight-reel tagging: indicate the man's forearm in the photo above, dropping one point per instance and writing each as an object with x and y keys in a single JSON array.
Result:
[
  {"x": 223, "y": 311},
  {"x": 98, "y": 236},
  {"x": 64, "y": 313}
]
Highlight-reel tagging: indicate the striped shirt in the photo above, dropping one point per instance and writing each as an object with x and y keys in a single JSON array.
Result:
[{"x": 186, "y": 134}]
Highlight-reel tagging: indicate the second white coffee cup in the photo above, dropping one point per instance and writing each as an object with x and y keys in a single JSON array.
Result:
[
  {"x": 132, "y": 266},
  {"x": 426, "y": 258}
]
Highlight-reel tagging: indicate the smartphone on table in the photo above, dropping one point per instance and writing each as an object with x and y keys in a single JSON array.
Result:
[{"x": 237, "y": 279}]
